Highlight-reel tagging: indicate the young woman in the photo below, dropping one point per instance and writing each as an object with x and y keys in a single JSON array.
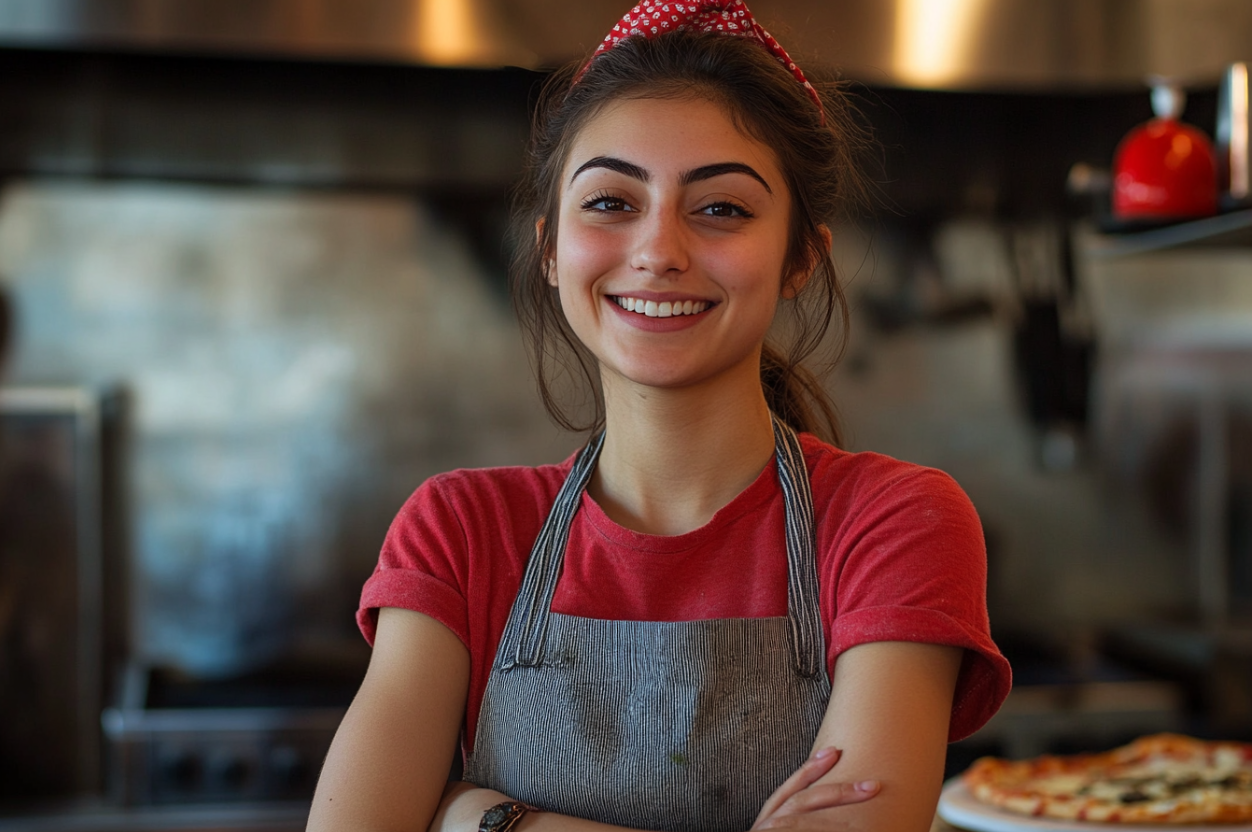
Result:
[{"x": 708, "y": 618}]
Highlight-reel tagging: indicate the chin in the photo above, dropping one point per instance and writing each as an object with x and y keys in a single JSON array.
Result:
[{"x": 670, "y": 378}]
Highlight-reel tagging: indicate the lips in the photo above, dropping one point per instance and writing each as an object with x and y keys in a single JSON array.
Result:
[{"x": 661, "y": 309}]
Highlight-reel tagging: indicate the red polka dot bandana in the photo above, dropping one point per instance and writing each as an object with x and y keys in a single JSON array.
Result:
[{"x": 730, "y": 17}]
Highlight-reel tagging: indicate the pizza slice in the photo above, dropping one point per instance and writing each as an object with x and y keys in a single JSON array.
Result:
[{"x": 1164, "y": 778}]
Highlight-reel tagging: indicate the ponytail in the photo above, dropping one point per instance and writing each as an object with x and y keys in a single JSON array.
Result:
[{"x": 796, "y": 396}]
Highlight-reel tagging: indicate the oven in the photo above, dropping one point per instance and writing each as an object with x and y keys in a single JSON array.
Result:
[{"x": 259, "y": 737}]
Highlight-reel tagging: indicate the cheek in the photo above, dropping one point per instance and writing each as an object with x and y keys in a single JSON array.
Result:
[
  {"x": 755, "y": 271},
  {"x": 584, "y": 254}
]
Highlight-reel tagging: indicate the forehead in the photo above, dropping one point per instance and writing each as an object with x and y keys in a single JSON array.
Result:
[{"x": 670, "y": 135}]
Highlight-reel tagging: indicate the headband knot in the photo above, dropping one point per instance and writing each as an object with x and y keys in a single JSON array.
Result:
[{"x": 727, "y": 17}]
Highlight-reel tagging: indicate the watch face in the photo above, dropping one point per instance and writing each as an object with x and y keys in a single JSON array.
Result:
[{"x": 498, "y": 816}]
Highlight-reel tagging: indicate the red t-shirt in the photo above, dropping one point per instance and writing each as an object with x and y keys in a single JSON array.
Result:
[{"x": 899, "y": 547}]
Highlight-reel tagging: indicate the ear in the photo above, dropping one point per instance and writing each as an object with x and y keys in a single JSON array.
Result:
[
  {"x": 549, "y": 273},
  {"x": 798, "y": 278}
]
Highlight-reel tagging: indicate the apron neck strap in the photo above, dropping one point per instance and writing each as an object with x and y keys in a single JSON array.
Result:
[
  {"x": 528, "y": 621},
  {"x": 522, "y": 642},
  {"x": 803, "y": 610}
]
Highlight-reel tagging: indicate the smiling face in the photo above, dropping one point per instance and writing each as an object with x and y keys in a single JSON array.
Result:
[{"x": 671, "y": 243}]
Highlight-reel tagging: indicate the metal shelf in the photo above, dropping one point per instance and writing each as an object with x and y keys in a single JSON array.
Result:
[{"x": 1232, "y": 229}]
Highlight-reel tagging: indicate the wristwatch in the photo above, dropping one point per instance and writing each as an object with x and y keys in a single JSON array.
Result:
[{"x": 504, "y": 816}]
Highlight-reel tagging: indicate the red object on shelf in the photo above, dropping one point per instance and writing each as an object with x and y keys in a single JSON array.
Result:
[{"x": 1165, "y": 169}]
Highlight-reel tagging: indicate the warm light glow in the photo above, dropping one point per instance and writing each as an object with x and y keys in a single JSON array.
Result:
[
  {"x": 446, "y": 31},
  {"x": 1239, "y": 131},
  {"x": 932, "y": 38}
]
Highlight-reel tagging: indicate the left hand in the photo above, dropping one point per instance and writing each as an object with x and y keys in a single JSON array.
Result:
[{"x": 796, "y": 803}]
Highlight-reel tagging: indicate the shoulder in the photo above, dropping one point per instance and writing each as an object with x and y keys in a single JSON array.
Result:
[
  {"x": 460, "y": 534},
  {"x": 878, "y": 512},
  {"x": 475, "y": 494},
  {"x": 873, "y": 483},
  {"x": 478, "y": 488},
  {"x": 463, "y": 514},
  {"x": 902, "y": 559}
]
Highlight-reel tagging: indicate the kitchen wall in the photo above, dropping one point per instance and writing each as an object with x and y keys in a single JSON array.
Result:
[
  {"x": 1070, "y": 550},
  {"x": 297, "y": 364}
]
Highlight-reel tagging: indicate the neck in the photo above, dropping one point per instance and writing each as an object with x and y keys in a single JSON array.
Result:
[{"x": 673, "y": 458}]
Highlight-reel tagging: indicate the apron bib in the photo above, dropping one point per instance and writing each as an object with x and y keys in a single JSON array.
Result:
[{"x": 660, "y": 725}]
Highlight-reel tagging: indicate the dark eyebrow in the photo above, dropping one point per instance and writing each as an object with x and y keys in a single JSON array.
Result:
[
  {"x": 619, "y": 165},
  {"x": 697, "y": 175},
  {"x": 709, "y": 171}
]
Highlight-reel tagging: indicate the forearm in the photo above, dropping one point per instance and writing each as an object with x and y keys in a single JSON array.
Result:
[
  {"x": 464, "y": 804},
  {"x": 466, "y": 816},
  {"x": 801, "y": 794}
]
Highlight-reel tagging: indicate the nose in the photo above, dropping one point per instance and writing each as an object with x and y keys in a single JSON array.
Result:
[{"x": 661, "y": 247}]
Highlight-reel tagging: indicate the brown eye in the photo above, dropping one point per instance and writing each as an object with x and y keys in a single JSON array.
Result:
[
  {"x": 607, "y": 204},
  {"x": 727, "y": 210}
]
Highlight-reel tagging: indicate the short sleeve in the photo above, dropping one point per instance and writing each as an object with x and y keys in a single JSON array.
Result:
[
  {"x": 911, "y": 566},
  {"x": 422, "y": 565}
]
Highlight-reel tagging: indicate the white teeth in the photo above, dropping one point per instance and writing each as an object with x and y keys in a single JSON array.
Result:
[{"x": 664, "y": 309}]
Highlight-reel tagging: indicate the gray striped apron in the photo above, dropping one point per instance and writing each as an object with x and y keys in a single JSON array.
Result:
[{"x": 686, "y": 725}]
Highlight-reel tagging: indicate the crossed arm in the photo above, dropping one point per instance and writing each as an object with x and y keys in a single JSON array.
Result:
[{"x": 886, "y": 726}]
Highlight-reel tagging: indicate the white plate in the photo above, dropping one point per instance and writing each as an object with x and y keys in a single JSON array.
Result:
[{"x": 960, "y": 808}]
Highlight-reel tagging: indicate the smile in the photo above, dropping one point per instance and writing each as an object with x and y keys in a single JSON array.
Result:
[{"x": 662, "y": 309}]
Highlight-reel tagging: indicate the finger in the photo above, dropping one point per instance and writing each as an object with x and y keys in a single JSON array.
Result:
[
  {"x": 810, "y": 772},
  {"x": 827, "y": 795},
  {"x": 806, "y": 809},
  {"x": 814, "y": 768}
]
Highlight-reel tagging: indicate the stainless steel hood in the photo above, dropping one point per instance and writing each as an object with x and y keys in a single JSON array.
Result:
[{"x": 941, "y": 44}]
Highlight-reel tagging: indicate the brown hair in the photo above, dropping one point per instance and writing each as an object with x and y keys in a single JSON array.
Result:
[{"x": 818, "y": 158}]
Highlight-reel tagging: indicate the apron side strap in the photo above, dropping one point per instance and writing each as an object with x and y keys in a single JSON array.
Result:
[{"x": 803, "y": 589}]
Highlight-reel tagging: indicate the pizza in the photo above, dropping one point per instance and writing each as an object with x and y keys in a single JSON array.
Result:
[{"x": 1164, "y": 778}]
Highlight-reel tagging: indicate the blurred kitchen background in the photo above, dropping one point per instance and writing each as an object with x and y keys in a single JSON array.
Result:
[{"x": 255, "y": 258}]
